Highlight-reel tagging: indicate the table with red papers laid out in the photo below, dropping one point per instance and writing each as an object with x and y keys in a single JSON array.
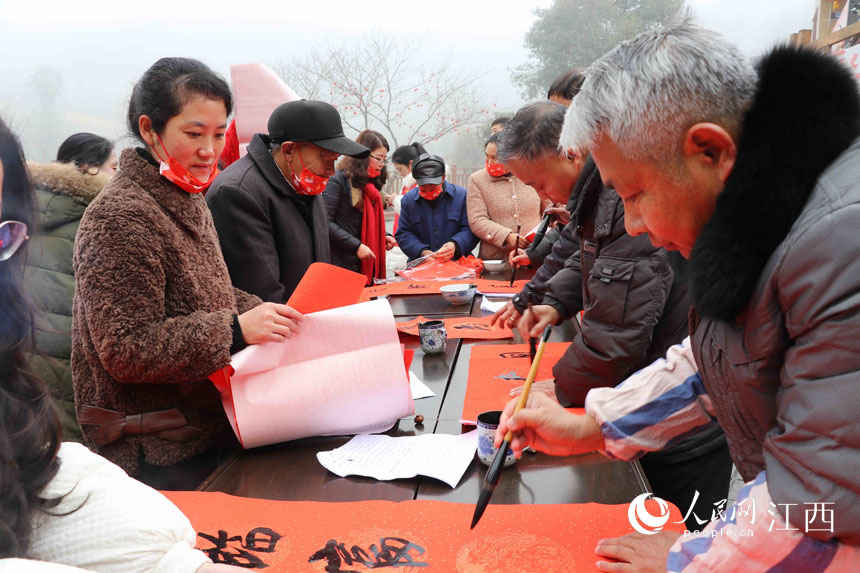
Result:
[{"x": 290, "y": 471}]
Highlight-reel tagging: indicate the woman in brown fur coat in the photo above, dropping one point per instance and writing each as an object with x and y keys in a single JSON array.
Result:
[{"x": 154, "y": 311}]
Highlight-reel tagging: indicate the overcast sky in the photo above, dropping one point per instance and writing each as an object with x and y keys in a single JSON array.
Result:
[{"x": 101, "y": 47}]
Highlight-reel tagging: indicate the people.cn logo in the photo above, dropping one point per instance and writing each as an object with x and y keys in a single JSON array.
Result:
[{"x": 642, "y": 520}]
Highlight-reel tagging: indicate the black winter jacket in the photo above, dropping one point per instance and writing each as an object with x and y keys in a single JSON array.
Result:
[
  {"x": 344, "y": 222},
  {"x": 635, "y": 304},
  {"x": 269, "y": 234}
]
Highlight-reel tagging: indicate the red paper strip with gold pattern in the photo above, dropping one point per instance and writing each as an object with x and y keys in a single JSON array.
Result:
[{"x": 409, "y": 536}]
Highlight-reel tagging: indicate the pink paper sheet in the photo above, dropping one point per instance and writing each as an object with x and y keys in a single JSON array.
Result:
[
  {"x": 258, "y": 91},
  {"x": 342, "y": 374}
]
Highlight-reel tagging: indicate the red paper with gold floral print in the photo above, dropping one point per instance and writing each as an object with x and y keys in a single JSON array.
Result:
[
  {"x": 496, "y": 369},
  {"x": 432, "y": 287},
  {"x": 409, "y": 536},
  {"x": 462, "y": 327}
]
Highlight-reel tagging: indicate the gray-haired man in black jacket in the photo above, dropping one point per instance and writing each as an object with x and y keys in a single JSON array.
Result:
[{"x": 634, "y": 300}]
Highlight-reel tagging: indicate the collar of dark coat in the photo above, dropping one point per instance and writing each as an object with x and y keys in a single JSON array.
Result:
[
  {"x": 67, "y": 179},
  {"x": 805, "y": 112},
  {"x": 261, "y": 155},
  {"x": 187, "y": 209},
  {"x": 591, "y": 200}
]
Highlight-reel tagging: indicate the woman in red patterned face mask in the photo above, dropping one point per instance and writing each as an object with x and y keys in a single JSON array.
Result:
[
  {"x": 151, "y": 285},
  {"x": 355, "y": 208},
  {"x": 498, "y": 203}
]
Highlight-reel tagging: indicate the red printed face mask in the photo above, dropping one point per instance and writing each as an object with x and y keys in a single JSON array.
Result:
[
  {"x": 180, "y": 176},
  {"x": 372, "y": 171},
  {"x": 496, "y": 169},
  {"x": 430, "y": 193},
  {"x": 307, "y": 182}
]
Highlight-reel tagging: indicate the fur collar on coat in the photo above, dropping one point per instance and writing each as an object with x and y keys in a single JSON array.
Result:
[
  {"x": 67, "y": 179},
  {"x": 806, "y": 112}
]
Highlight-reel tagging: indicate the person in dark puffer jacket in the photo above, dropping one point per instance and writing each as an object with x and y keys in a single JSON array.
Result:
[{"x": 63, "y": 189}]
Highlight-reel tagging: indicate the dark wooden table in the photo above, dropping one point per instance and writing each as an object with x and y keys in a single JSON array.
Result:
[
  {"x": 536, "y": 477},
  {"x": 290, "y": 471},
  {"x": 427, "y": 305}
]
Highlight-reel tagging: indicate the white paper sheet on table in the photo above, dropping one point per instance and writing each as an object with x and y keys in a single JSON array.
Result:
[
  {"x": 492, "y": 305},
  {"x": 342, "y": 374},
  {"x": 441, "y": 456},
  {"x": 419, "y": 388}
]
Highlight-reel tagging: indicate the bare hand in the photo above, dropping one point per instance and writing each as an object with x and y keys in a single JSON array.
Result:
[
  {"x": 514, "y": 240},
  {"x": 446, "y": 253},
  {"x": 561, "y": 214},
  {"x": 270, "y": 322},
  {"x": 543, "y": 386},
  {"x": 519, "y": 257},
  {"x": 364, "y": 252},
  {"x": 547, "y": 427},
  {"x": 508, "y": 316},
  {"x": 637, "y": 552},
  {"x": 390, "y": 242},
  {"x": 536, "y": 319}
]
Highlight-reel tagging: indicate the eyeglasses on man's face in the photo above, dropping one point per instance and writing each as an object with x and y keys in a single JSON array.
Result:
[{"x": 12, "y": 236}]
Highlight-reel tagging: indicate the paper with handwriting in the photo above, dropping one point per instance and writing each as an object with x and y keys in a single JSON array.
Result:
[{"x": 441, "y": 456}]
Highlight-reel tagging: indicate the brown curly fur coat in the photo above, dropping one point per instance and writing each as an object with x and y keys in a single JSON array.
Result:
[{"x": 152, "y": 311}]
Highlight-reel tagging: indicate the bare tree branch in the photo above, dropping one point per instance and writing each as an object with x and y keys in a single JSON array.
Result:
[{"x": 376, "y": 83}]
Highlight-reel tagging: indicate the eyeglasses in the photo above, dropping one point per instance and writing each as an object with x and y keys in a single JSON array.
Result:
[
  {"x": 12, "y": 236},
  {"x": 382, "y": 160}
]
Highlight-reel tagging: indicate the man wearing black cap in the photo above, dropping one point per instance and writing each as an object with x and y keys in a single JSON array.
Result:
[
  {"x": 433, "y": 217},
  {"x": 270, "y": 221}
]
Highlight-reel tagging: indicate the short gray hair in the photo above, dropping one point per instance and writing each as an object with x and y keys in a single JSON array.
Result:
[
  {"x": 532, "y": 133},
  {"x": 649, "y": 90}
]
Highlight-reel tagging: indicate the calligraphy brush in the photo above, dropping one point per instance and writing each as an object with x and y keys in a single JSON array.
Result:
[
  {"x": 516, "y": 246},
  {"x": 532, "y": 344},
  {"x": 492, "y": 477}
]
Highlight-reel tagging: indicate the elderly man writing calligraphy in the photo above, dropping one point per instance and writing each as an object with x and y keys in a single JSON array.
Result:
[{"x": 753, "y": 176}]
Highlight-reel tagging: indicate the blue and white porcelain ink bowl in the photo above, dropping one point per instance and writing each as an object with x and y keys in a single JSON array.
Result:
[
  {"x": 433, "y": 336},
  {"x": 487, "y": 424},
  {"x": 459, "y": 293}
]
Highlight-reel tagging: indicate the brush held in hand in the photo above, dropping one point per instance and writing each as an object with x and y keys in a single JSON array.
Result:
[
  {"x": 495, "y": 470},
  {"x": 516, "y": 243}
]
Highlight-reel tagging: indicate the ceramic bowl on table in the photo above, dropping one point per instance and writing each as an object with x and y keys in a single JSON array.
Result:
[
  {"x": 494, "y": 265},
  {"x": 458, "y": 293}
]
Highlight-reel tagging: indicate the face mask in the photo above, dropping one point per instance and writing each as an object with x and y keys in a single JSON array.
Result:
[
  {"x": 373, "y": 172},
  {"x": 431, "y": 193},
  {"x": 180, "y": 176},
  {"x": 307, "y": 182},
  {"x": 496, "y": 169}
]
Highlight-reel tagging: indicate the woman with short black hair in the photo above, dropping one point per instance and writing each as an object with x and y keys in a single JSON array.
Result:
[{"x": 63, "y": 190}]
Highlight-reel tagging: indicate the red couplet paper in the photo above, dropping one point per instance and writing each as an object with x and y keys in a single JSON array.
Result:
[
  {"x": 410, "y": 536},
  {"x": 432, "y": 287},
  {"x": 324, "y": 287},
  {"x": 496, "y": 369},
  {"x": 462, "y": 327},
  {"x": 437, "y": 270}
]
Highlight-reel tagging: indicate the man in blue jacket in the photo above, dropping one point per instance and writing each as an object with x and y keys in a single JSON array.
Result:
[{"x": 433, "y": 217}]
